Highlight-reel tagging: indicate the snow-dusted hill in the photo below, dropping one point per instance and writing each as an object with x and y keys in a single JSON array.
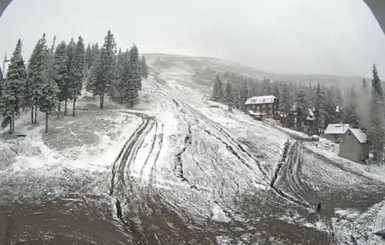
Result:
[
  {"x": 178, "y": 169},
  {"x": 197, "y": 68}
]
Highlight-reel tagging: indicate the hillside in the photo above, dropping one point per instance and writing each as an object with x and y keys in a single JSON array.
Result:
[{"x": 203, "y": 68}]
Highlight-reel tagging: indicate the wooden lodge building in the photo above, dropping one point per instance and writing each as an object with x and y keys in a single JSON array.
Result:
[{"x": 262, "y": 107}]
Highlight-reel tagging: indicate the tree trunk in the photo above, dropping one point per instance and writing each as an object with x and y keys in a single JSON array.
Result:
[
  {"x": 101, "y": 100},
  {"x": 13, "y": 121},
  {"x": 10, "y": 125},
  {"x": 46, "y": 122},
  {"x": 73, "y": 109},
  {"x": 58, "y": 108},
  {"x": 36, "y": 109},
  {"x": 65, "y": 107},
  {"x": 31, "y": 114}
]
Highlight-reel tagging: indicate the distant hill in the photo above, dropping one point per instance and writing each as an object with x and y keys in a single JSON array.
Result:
[{"x": 203, "y": 70}]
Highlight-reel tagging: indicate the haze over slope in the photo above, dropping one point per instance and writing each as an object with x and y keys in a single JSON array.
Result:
[{"x": 203, "y": 70}]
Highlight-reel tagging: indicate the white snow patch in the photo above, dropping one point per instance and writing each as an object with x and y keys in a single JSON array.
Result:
[{"x": 219, "y": 215}]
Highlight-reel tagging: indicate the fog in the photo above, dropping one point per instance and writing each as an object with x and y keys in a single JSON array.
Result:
[{"x": 297, "y": 36}]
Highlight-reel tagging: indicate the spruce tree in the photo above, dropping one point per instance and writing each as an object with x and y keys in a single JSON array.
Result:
[
  {"x": 365, "y": 103},
  {"x": 229, "y": 95},
  {"x": 144, "y": 67},
  {"x": 95, "y": 51},
  {"x": 329, "y": 107},
  {"x": 135, "y": 67},
  {"x": 135, "y": 83},
  {"x": 319, "y": 107},
  {"x": 127, "y": 85},
  {"x": 376, "y": 129},
  {"x": 71, "y": 83},
  {"x": 14, "y": 87},
  {"x": 243, "y": 95},
  {"x": 79, "y": 65},
  {"x": 92, "y": 80},
  {"x": 48, "y": 100},
  {"x": 60, "y": 72},
  {"x": 36, "y": 76},
  {"x": 302, "y": 106},
  {"x": 121, "y": 64},
  {"x": 218, "y": 89},
  {"x": 284, "y": 101},
  {"x": 88, "y": 57},
  {"x": 350, "y": 111},
  {"x": 106, "y": 71},
  {"x": 1, "y": 85}
]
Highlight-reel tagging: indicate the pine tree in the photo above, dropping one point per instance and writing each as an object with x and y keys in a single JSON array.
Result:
[
  {"x": 105, "y": 68},
  {"x": 1, "y": 85},
  {"x": 60, "y": 71},
  {"x": 92, "y": 80},
  {"x": 364, "y": 98},
  {"x": 48, "y": 100},
  {"x": 122, "y": 63},
  {"x": 14, "y": 87},
  {"x": 275, "y": 90},
  {"x": 236, "y": 97},
  {"x": 71, "y": 83},
  {"x": 243, "y": 95},
  {"x": 88, "y": 57},
  {"x": 144, "y": 67},
  {"x": 319, "y": 107},
  {"x": 376, "y": 129},
  {"x": 95, "y": 51},
  {"x": 135, "y": 79},
  {"x": 329, "y": 107},
  {"x": 128, "y": 85},
  {"x": 229, "y": 95},
  {"x": 79, "y": 65},
  {"x": 36, "y": 76},
  {"x": 135, "y": 67},
  {"x": 350, "y": 111},
  {"x": 218, "y": 89},
  {"x": 284, "y": 101},
  {"x": 302, "y": 106}
]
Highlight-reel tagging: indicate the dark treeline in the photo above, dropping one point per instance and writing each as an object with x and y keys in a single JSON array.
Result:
[
  {"x": 361, "y": 106},
  {"x": 55, "y": 75}
]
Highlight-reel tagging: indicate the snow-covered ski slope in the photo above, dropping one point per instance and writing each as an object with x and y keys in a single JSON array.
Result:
[{"x": 185, "y": 170}]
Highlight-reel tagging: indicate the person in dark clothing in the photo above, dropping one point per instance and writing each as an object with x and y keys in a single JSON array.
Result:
[{"x": 319, "y": 206}]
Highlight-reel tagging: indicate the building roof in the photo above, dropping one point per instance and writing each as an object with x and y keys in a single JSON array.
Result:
[
  {"x": 269, "y": 99},
  {"x": 360, "y": 136},
  {"x": 337, "y": 128}
]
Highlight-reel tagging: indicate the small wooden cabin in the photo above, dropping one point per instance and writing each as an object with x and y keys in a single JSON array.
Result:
[{"x": 354, "y": 145}]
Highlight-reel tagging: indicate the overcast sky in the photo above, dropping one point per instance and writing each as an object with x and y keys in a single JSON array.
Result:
[{"x": 296, "y": 36}]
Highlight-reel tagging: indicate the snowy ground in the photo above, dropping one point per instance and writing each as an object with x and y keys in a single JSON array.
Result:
[{"x": 180, "y": 169}]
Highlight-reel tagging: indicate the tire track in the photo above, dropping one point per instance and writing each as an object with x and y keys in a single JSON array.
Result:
[
  {"x": 118, "y": 162},
  {"x": 178, "y": 166},
  {"x": 237, "y": 147},
  {"x": 289, "y": 158}
]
